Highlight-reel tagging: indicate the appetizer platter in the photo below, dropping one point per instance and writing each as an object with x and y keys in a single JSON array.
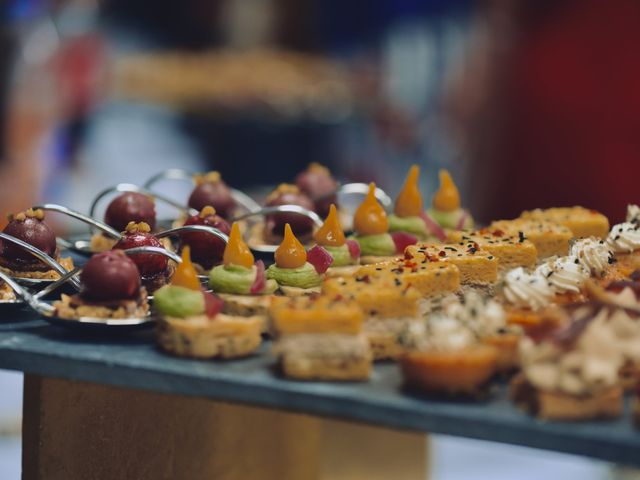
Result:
[{"x": 526, "y": 331}]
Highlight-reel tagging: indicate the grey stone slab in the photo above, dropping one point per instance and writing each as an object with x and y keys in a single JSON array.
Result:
[{"x": 33, "y": 346}]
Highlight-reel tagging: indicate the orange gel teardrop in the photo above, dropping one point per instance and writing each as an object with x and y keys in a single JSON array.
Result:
[
  {"x": 409, "y": 201},
  {"x": 447, "y": 198},
  {"x": 290, "y": 253},
  {"x": 236, "y": 252},
  {"x": 370, "y": 218},
  {"x": 330, "y": 234},
  {"x": 186, "y": 275}
]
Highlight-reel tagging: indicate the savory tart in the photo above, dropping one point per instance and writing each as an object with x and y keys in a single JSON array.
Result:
[
  {"x": 240, "y": 282},
  {"x": 477, "y": 266},
  {"x": 110, "y": 288},
  {"x": 551, "y": 239},
  {"x": 511, "y": 250},
  {"x": 445, "y": 206},
  {"x": 192, "y": 325},
  {"x": 294, "y": 274},
  {"x": 431, "y": 279},
  {"x": 371, "y": 231},
  {"x": 408, "y": 213},
  {"x": 30, "y": 227},
  {"x": 333, "y": 253},
  {"x": 581, "y": 221},
  {"x": 320, "y": 338},
  {"x": 389, "y": 305}
]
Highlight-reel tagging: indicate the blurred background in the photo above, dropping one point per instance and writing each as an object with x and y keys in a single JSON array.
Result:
[{"x": 530, "y": 103}]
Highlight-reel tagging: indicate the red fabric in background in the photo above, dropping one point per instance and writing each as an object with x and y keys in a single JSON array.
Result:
[{"x": 572, "y": 132}]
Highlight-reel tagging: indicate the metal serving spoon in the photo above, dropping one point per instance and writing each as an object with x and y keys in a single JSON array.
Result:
[
  {"x": 354, "y": 188},
  {"x": 358, "y": 188},
  {"x": 130, "y": 187},
  {"x": 269, "y": 248},
  {"x": 241, "y": 198},
  {"x": 40, "y": 255},
  {"x": 282, "y": 209},
  {"x": 80, "y": 246},
  {"x": 86, "y": 323}
]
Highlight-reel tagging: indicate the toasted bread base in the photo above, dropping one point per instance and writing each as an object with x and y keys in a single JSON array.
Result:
[
  {"x": 346, "y": 271},
  {"x": 560, "y": 406},
  {"x": 324, "y": 357},
  {"x": 200, "y": 337},
  {"x": 371, "y": 259},
  {"x": 297, "y": 291},
  {"x": 384, "y": 336},
  {"x": 245, "y": 305},
  {"x": 300, "y": 368}
]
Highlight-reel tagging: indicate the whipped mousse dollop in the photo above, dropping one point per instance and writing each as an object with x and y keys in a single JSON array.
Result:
[
  {"x": 592, "y": 253},
  {"x": 481, "y": 313},
  {"x": 564, "y": 274},
  {"x": 633, "y": 214},
  {"x": 624, "y": 237},
  {"x": 527, "y": 290}
]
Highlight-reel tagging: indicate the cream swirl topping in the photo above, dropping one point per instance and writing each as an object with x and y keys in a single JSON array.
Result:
[
  {"x": 633, "y": 214},
  {"x": 528, "y": 290},
  {"x": 624, "y": 237},
  {"x": 439, "y": 333},
  {"x": 593, "y": 254},
  {"x": 483, "y": 314},
  {"x": 564, "y": 274}
]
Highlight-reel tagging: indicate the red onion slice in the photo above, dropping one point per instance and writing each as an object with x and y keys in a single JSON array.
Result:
[
  {"x": 260, "y": 282},
  {"x": 354, "y": 249},
  {"x": 212, "y": 304},
  {"x": 434, "y": 227},
  {"x": 403, "y": 240},
  {"x": 462, "y": 219},
  {"x": 319, "y": 258}
]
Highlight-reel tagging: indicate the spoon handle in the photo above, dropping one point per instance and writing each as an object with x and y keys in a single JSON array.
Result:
[
  {"x": 194, "y": 228},
  {"x": 241, "y": 198},
  {"x": 154, "y": 251},
  {"x": 67, "y": 277},
  {"x": 130, "y": 187},
  {"x": 283, "y": 209},
  {"x": 358, "y": 188},
  {"x": 103, "y": 227},
  {"x": 169, "y": 174}
]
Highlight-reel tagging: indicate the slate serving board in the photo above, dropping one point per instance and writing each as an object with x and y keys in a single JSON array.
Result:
[{"x": 31, "y": 345}]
